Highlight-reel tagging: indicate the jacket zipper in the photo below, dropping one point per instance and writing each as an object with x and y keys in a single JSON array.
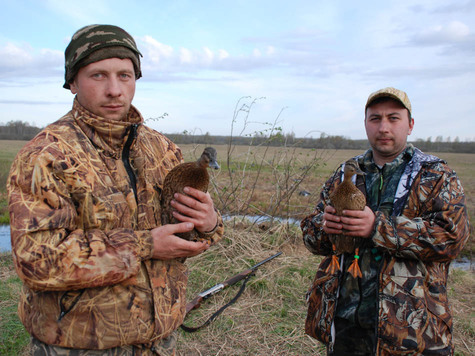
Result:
[
  {"x": 63, "y": 310},
  {"x": 381, "y": 182},
  {"x": 126, "y": 158},
  {"x": 332, "y": 327},
  {"x": 376, "y": 342}
]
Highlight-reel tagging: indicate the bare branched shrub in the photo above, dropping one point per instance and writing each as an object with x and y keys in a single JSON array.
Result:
[{"x": 262, "y": 179}]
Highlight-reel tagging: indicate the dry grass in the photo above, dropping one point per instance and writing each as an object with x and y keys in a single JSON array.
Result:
[
  {"x": 461, "y": 290},
  {"x": 269, "y": 317}
]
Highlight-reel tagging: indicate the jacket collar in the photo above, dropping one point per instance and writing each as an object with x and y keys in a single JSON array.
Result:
[
  {"x": 108, "y": 136},
  {"x": 416, "y": 160},
  {"x": 366, "y": 160}
]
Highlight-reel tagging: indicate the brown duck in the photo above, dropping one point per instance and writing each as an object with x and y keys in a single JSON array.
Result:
[
  {"x": 188, "y": 174},
  {"x": 347, "y": 196}
]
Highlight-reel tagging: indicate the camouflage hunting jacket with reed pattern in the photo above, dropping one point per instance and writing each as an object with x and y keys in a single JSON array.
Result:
[
  {"x": 81, "y": 239},
  {"x": 426, "y": 231}
]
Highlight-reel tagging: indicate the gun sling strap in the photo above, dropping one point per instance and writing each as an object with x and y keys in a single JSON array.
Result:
[{"x": 191, "y": 329}]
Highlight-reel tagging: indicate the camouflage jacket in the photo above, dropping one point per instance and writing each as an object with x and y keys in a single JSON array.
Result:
[
  {"x": 427, "y": 230},
  {"x": 81, "y": 238}
]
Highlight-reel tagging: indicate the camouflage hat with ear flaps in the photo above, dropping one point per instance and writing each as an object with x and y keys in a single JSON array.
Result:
[{"x": 97, "y": 42}]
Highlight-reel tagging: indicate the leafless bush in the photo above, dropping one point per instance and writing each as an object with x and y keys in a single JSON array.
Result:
[{"x": 262, "y": 179}]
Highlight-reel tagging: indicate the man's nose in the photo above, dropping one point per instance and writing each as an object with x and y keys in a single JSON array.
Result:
[
  {"x": 384, "y": 125},
  {"x": 113, "y": 87}
]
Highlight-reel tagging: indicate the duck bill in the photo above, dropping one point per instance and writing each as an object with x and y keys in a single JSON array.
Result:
[{"x": 214, "y": 164}]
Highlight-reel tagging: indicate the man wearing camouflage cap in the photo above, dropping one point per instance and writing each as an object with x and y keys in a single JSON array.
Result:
[
  {"x": 101, "y": 275},
  {"x": 414, "y": 224}
]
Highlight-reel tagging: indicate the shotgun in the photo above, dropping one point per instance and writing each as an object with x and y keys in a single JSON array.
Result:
[{"x": 196, "y": 302}]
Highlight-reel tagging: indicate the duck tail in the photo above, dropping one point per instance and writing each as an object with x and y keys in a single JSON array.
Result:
[
  {"x": 334, "y": 264},
  {"x": 354, "y": 269}
]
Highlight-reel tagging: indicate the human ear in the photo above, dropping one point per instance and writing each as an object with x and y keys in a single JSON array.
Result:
[
  {"x": 73, "y": 87},
  {"x": 411, "y": 125}
]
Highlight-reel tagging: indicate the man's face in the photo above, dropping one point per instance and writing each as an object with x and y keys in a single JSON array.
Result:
[
  {"x": 387, "y": 127},
  {"x": 106, "y": 88}
]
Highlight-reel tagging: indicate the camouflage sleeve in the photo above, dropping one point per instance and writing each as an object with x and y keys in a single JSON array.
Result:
[
  {"x": 50, "y": 250},
  {"x": 315, "y": 240},
  {"x": 434, "y": 224},
  {"x": 313, "y": 236}
]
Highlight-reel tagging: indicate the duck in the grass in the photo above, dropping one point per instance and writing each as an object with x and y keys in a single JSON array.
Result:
[
  {"x": 188, "y": 174},
  {"x": 347, "y": 196}
]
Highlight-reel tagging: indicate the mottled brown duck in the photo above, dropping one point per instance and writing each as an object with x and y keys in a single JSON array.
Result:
[
  {"x": 347, "y": 196},
  {"x": 188, "y": 174}
]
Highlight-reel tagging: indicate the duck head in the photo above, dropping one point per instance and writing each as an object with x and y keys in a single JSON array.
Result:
[
  {"x": 209, "y": 158},
  {"x": 352, "y": 168}
]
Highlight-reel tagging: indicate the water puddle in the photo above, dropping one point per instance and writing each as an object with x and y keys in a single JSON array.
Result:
[
  {"x": 5, "y": 244},
  {"x": 257, "y": 219}
]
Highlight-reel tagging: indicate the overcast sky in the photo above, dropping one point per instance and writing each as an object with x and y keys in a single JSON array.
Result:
[{"x": 310, "y": 65}]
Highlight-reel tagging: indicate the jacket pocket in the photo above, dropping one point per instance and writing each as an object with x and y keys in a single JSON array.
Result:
[
  {"x": 403, "y": 316},
  {"x": 321, "y": 300},
  {"x": 68, "y": 301}
]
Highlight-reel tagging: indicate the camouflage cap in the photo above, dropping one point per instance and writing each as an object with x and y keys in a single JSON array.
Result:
[
  {"x": 390, "y": 92},
  {"x": 93, "y": 38}
]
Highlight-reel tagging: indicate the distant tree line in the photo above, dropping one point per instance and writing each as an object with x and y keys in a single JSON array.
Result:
[
  {"x": 323, "y": 142},
  {"x": 329, "y": 142},
  {"x": 18, "y": 130}
]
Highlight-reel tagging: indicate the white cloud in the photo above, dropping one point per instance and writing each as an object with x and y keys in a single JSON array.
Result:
[
  {"x": 163, "y": 58},
  {"x": 156, "y": 51},
  {"x": 223, "y": 54},
  {"x": 14, "y": 56},
  {"x": 186, "y": 56},
  {"x": 17, "y": 61},
  {"x": 452, "y": 32},
  {"x": 208, "y": 55},
  {"x": 457, "y": 30}
]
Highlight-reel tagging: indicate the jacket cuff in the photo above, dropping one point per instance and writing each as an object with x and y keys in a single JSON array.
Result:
[
  {"x": 145, "y": 244},
  {"x": 216, "y": 233}
]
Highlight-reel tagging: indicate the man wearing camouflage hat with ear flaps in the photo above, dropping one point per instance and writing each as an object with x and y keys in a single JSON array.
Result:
[
  {"x": 414, "y": 224},
  {"x": 101, "y": 275}
]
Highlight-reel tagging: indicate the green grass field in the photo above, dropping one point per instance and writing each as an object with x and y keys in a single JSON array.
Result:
[
  {"x": 268, "y": 318},
  {"x": 8, "y": 150}
]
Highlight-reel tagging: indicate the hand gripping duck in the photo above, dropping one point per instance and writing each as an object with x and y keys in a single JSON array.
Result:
[
  {"x": 188, "y": 174},
  {"x": 347, "y": 197}
]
